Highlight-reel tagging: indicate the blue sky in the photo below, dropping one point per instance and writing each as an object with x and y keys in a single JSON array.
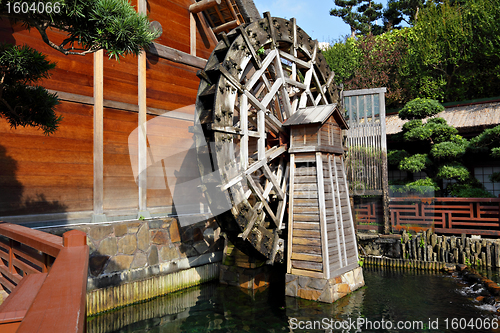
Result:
[{"x": 313, "y": 16}]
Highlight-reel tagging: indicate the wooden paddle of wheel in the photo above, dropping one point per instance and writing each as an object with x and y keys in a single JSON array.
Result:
[{"x": 256, "y": 77}]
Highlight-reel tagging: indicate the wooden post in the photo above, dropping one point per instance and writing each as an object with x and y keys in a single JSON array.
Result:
[
  {"x": 98, "y": 214},
  {"x": 142, "y": 143}
]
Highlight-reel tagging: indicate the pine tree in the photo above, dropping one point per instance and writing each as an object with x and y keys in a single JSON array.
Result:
[
  {"x": 90, "y": 25},
  {"x": 360, "y": 15}
]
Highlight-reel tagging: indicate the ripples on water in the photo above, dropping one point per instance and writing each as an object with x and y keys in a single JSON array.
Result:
[{"x": 394, "y": 296}]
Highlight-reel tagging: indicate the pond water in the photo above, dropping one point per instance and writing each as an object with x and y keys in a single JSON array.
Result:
[{"x": 391, "y": 301}]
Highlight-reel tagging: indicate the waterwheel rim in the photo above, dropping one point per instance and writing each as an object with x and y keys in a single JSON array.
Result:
[{"x": 255, "y": 79}]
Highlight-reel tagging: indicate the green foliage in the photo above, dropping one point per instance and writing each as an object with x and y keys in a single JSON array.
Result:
[
  {"x": 415, "y": 163},
  {"x": 424, "y": 186},
  {"x": 88, "y": 26},
  {"x": 360, "y": 15},
  {"x": 447, "y": 150},
  {"x": 344, "y": 58},
  {"x": 394, "y": 157},
  {"x": 453, "y": 171},
  {"x": 472, "y": 189},
  {"x": 420, "y": 108},
  {"x": 450, "y": 53},
  {"x": 22, "y": 103},
  {"x": 412, "y": 124},
  {"x": 495, "y": 177}
]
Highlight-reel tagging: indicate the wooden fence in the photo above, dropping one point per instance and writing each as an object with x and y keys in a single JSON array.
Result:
[
  {"x": 472, "y": 216},
  {"x": 46, "y": 276}
]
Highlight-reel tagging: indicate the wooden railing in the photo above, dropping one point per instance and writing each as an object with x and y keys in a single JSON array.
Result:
[
  {"x": 369, "y": 216},
  {"x": 478, "y": 216},
  {"x": 46, "y": 276}
]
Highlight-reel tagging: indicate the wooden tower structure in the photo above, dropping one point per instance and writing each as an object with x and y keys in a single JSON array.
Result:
[{"x": 321, "y": 238}]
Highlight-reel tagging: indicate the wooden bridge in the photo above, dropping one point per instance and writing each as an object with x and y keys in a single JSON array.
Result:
[{"x": 46, "y": 276}]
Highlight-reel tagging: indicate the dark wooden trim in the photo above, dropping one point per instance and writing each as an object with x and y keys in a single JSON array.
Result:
[
  {"x": 75, "y": 98},
  {"x": 177, "y": 56}
]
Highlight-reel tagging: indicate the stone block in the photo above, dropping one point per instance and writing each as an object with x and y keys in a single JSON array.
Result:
[
  {"x": 97, "y": 263},
  {"x": 155, "y": 224},
  {"x": 175, "y": 235},
  {"x": 108, "y": 247},
  {"x": 327, "y": 295},
  {"x": 291, "y": 289},
  {"x": 160, "y": 237},
  {"x": 133, "y": 227},
  {"x": 120, "y": 229},
  {"x": 140, "y": 260},
  {"x": 309, "y": 294},
  {"x": 290, "y": 277},
  {"x": 127, "y": 244},
  {"x": 153, "y": 257},
  {"x": 119, "y": 263},
  {"x": 99, "y": 232},
  {"x": 168, "y": 221},
  {"x": 317, "y": 284},
  {"x": 168, "y": 253},
  {"x": 303, "y": 281},
  {"x": 143, "y": 238},
  {"x": 342, "y": 288}
]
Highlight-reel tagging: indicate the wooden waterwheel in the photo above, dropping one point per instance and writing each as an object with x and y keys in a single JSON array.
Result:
[{"x": 255, "y": 79}]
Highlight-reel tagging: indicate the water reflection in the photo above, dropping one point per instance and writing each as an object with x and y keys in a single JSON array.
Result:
[{"x": 431, "y": 299}]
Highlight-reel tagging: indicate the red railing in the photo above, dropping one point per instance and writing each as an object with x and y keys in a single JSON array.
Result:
[
  {"x": 369, "y": 216},
  {"x": 478, "y": 216},
  {"x": 46, "y": 276}
]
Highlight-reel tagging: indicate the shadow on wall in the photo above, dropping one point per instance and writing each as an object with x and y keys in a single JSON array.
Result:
[{"x": 13, "y": 199}]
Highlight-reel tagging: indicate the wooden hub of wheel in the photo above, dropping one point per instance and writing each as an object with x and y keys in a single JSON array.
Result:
[{"x": 255, "y": 79}]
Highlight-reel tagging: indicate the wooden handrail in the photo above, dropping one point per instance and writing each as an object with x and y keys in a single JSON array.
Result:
[{"x": 44, "y": 302}]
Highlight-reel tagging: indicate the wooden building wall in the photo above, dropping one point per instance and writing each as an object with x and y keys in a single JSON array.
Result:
[{"x": 55, "y": 174}]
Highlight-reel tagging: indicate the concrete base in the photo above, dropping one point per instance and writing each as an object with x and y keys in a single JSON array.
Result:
[
  {"x": 143, "y": 214},
  {"x": 98, "y": 218},
  {"x": 324, "y": 290}
]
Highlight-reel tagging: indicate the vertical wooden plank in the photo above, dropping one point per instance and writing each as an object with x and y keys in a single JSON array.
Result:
[
  {"x": 192, "y": 34},
  {"x": 290, "y": 214},
  {"x": 341, "y": 222},
  {"x": 98, "y": 133},
  {"x": 385, "y": 171},
  {"x": 351, "y": 221},
  {"x": 322, "y": 214},
  {"x": 244, "y": 130},
  {"x": 261, "y": 143},
  {"x": 142, "y": 143},
  {"x": 335, "y": 210}
]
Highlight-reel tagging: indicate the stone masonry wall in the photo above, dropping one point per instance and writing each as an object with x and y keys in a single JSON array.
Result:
[{"x": 122, "y": 252}]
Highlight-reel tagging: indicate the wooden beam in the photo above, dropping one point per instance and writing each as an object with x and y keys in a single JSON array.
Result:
[
  {"x": 290, "y": 215},
  {"x": 192, "y": 34},
  {"x": 226, "y": 26},
  {"x": 98, "y": 133},
  {"x": 203, "y": 5},
  {"x": 141, "y": 123},
  {"x": 322, "y": 214},
  {"x": 177, "y": 56}
]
